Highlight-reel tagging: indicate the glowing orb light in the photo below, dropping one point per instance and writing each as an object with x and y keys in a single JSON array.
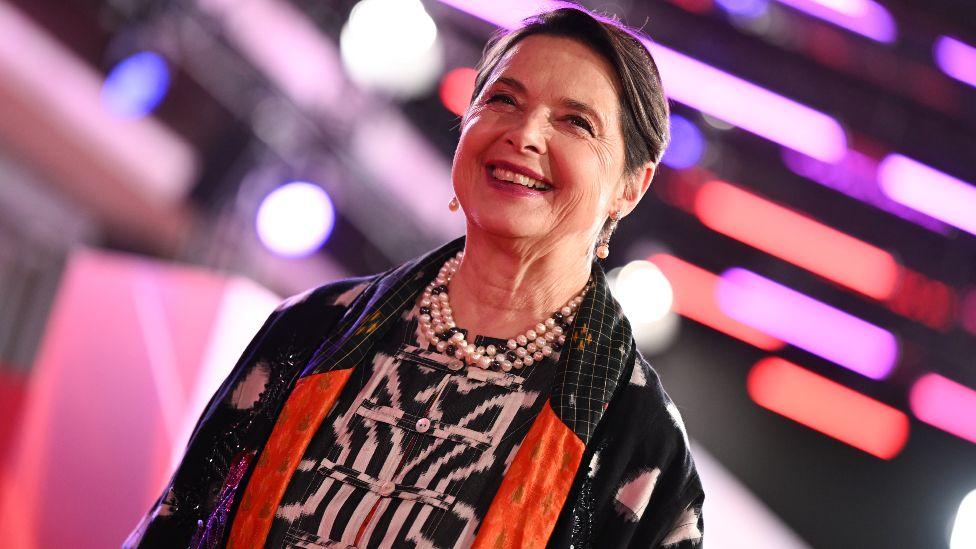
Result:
[
  {"x": 687, "y": 144},
  {"x": 456, "y": 89},
  {"x": 643, "y": 291},
  {"x": 295, "y": 219},
  {"x": 964, "y": 530},
  {"x": 391, "y": 46},
  {"x": 136, "y": 85},
  {"x": 646, "y": 297}
]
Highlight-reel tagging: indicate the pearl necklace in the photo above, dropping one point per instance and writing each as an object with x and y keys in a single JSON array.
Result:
[{"x": 437, "y": 329}]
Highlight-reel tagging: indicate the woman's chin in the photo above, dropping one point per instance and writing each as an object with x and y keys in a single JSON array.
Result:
[{"x": 506, "y": 228}]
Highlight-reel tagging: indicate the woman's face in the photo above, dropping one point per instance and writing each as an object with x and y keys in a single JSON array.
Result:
[{"x": 541, "y": 155}]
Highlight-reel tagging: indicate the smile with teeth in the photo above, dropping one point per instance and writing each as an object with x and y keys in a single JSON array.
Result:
[{"x": 517, "y": 178}]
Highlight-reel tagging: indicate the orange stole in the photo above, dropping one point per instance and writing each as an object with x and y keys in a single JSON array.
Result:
[
  {"x": 301, "y": 416},
  {"x": 524, "y": 511}
]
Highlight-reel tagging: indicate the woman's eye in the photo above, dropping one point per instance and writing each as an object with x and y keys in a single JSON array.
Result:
[
  {"x": 501, "y": 98},
  {"x": 581, "y": 122}
]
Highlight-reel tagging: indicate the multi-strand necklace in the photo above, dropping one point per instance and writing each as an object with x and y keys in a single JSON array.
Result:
[{"x": 438, "y": 330}]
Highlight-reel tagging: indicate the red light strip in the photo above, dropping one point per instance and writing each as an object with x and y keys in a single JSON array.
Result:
[
  {"x": 694, "y": 297},
  {"x": 797, "y": 238},
  {"x": 829, "y": 407},
  {"x": 945, "y": 404}
]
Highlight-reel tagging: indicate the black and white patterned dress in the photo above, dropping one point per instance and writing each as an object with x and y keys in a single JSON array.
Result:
[
  {"x": 586, "y": 450},
  {"x": 415, "y": 456}
]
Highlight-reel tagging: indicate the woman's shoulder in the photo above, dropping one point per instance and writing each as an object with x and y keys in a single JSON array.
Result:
[{"x": 338, "y": 294}]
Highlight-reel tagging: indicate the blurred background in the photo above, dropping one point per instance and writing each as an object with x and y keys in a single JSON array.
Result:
[{"x": 802, "y": 273}]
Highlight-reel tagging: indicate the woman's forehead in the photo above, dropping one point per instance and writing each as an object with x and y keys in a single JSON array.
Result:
[{"x": 561, "y": 67}]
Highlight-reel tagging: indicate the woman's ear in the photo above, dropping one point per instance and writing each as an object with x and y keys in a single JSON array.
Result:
[{"x": 635, "y": 187}]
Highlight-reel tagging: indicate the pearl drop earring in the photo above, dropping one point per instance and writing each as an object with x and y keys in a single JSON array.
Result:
[
  {"x": 453, "y": 204},
  {"x": 603, "y": 245}
]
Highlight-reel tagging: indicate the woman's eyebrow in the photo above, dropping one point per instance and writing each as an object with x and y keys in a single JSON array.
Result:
[
  {"x": 512, "y": 83},
  {"x": 582, "y": 107}
]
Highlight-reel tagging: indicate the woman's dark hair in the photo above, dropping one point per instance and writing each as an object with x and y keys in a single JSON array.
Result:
[{"x": 643, "y": 107}]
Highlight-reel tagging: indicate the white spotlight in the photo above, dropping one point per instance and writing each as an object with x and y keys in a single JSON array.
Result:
[
  {"x": 296, "y": 219},
  {"x": 391, "y": 46},
  {"x": 964, "y": 530},
  {"x": 646, "y": 296},
  {"x": 643, "y": 291}
]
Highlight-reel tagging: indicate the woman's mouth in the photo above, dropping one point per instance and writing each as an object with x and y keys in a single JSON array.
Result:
[{"x": 508, "y": 178}]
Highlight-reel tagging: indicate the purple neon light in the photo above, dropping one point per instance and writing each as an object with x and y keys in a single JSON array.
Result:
[
  {"x": 745, "y": 8},
  {"x": 703, "y": 87},
  {"x": 857, "y": 177},
  {"x": 807, "y": 323},
  {"x": 929, "y": 191},
  {"x": 749, "y": 106},
  {"x": 955, "y": 58},
  {"x": 506, "y": 14},
  {"x": 863, "y": 17}
]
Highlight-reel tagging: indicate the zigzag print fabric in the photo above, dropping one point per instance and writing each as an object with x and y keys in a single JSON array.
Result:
[{"x": 413, "y": 451}]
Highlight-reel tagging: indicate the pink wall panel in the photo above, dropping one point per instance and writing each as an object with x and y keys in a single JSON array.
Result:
[{"x": 132, "y": 350}]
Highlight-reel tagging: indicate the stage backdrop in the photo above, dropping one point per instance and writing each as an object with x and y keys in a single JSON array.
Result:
[{"x": 133, "y": 350}]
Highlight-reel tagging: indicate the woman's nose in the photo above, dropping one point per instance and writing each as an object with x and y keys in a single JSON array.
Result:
[{"x": 530, "y": 134}]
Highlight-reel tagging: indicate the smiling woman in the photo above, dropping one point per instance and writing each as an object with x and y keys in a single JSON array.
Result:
[{"x": 489, "y": 393}]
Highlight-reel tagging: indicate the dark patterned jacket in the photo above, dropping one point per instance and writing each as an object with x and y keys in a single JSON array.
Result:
[{"x": 605, "y": 464}]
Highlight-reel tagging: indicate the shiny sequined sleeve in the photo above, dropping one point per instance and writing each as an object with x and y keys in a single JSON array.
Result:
[{"x": 244, "y": 401}]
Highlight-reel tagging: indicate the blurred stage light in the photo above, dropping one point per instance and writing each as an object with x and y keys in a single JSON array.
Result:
[
  {"x": 929, "y": 191},
  {"x": 507, "y": 14},
  {"x": 136, "y": 85},
  {"x": 456, "y": 89},
  {"x": 391, "y": 46},
  {"x": 945, "y": 404},
  {"x": 857, "y": 177},
  {"x": 703, "y": 87},
  {"x": 956, "y": 58},
  {"x": 864, "y": 17},
  {"x": 295, "y": 219},
  {"x": 643, "y": 291},
  {"x": 687, "y": 144},
  {"x": 967, "y": 310},
  {"x": 797, "y": 238},
  {"x": 807, "y": 323},
  {"x": 694, "y": 298},
  {"x": 829, "y": 407},
  {"x": 964, "y": 529},
  {"x": 646, "y": 297},
  {"x": 755, "y": 109},
  {"x": 744, "y": 8}
]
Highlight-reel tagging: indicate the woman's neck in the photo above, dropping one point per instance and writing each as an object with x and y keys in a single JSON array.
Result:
[{"x": 502, "y": 288}]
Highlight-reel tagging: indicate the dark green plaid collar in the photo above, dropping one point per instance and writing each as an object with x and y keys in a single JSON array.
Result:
[{"x": 589, "y": 369}]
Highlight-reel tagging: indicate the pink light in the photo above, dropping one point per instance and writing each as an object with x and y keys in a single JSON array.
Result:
[
  {"x": 748, "y": 106},
  {"x": 456, "y": 89},
  {"x": 798, "y": 239},
  {"x": 506, "y": 14},
  {"x": 929, "y": 191},
  {"x": 945, "y": 404},
  {"x": 863, "y": 17},
  {"x": 955, "y": 58},
  {"x": 694, "y": 298},
  {"x": 299, "y": 58},
  {"x": 703, "y": 87},
  {"x": 829, "y": 407},
  {"x": 807, "y": 323}
]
